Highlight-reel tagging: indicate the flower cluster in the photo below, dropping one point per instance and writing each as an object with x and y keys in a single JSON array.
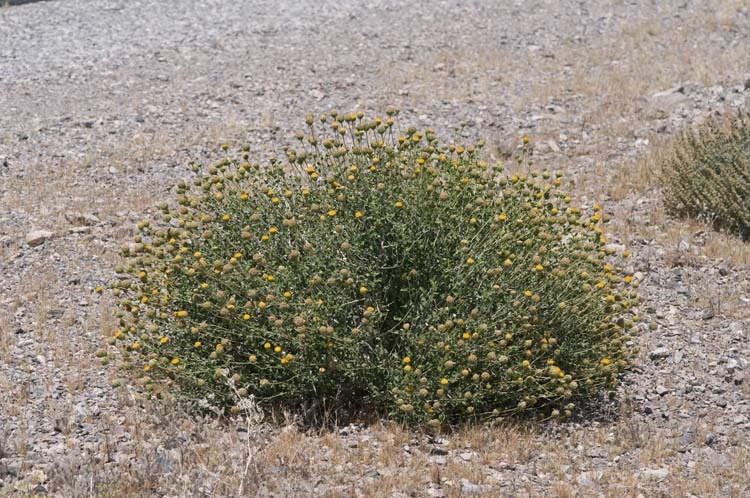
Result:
[{"x": 375, "y": 269}]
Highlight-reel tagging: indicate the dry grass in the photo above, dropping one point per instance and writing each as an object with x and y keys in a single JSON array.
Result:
[{"x": 222, "y": 459}]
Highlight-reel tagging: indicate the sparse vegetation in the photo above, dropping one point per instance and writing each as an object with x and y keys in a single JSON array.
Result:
[
  {"x": 707, "y": 176},
  {"x": 376, "y": 270}
]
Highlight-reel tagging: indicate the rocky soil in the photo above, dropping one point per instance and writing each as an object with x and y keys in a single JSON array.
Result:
[{"x": 103, "y": 104}]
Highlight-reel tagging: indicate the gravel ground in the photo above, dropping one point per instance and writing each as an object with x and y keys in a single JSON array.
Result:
[{"x": 103, "y": 104}]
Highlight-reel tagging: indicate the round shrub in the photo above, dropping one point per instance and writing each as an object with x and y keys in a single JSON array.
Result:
[
  {"x": 707, "y": 174},
  {"x": 375, "y": 271}
]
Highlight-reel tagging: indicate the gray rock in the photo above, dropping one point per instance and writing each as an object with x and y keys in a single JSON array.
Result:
[
  {"x": 82, "y": 219},
  {"x": 656, "y": 474},
  {"x": 435, "y": 492},
  {"x": 469, "y": 488},
  {"x": 731, "y": 365},
  {"x": 38, "y": 237},
  {"x": 659, "y": 354}
]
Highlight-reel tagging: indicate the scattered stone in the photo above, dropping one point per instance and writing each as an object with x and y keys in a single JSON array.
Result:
[
  {"x": 677, "y": 356},
  {"x": 435, "y": 492},
  {"x": 731, "y": 365},
  {"x": 589, "y": 478},
  {"x": 38, "y": 237},
  {"x": 82, "y": 219},
  {"x": 710, "y": 439},
  {"x": 686, "y": 439},
  {"x": 661, "y": 390},
  {"x": 469, "y": 488},
  {"x": 656, "y": 474},
  {"x": 659, "y": 354}
]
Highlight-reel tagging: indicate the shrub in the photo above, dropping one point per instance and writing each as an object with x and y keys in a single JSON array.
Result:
[
  {"x": 707, "y": 174},
  {"x": 375, "y": 271}
]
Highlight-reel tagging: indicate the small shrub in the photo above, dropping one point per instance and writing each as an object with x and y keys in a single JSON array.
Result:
[
  {"x": 707, "y": 174},
  {"x": 375, "y": 271}
]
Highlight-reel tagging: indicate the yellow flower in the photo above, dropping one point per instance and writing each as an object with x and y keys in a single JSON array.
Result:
[
  {"x": 273, "y": 230},
  {"x": 246, "y": 317},
  {"x": 225, "y": 217},
  {"x": 399, "y": 204},
  {"x": 525, "y": 139},
  {"x": 465, "y": 335},
  {"x": 252, "y": 358},
  {"x": 331, "y": 213},
  {"x": 181, "y": 313},
  {"x": 406, "y": 360},
  {"x": 363, "y": 290},
  {"x": 358, "y": 214},
  {"x": 501, "y": 217},
  {"x": 135, "y": 345},
  {"x": 277, "y": 349},
  {"x": 262, "y": 304},
  {"x": 98, "y": 289},
  {"x": 175, "y": 361},
  {"x": 197, "y": 344},
  {"x": 470, "y": 261},
  {"x": 539, "y": 267},
  {"x": 275, "y": 200},
  {"x": 507, "y": 262},
  {"x": 267, "y": 345},
  {"x": 287, "y": 294},
  {"x": 444, "y": 381},
  {"x": 243, "y": 196},
  {"x": 264, "y": 237},
  {"x": 464, "y": 372},
  {"x": 628, "y": 279},
  {"x": 528, "y": 293},
  {"x": 146, "y": 368},
  {"x": 604, "y": 361},
  {"x": 163, "y": 340}
]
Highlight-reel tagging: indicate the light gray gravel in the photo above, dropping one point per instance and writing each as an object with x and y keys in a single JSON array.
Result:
[{"x": 103, "y": 103}]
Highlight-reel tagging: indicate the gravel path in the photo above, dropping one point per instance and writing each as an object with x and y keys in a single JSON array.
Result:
[{"x": 103, "y": 104}]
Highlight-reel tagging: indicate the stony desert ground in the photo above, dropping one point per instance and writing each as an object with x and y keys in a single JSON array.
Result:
[{"x": 104, "y": 102}]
